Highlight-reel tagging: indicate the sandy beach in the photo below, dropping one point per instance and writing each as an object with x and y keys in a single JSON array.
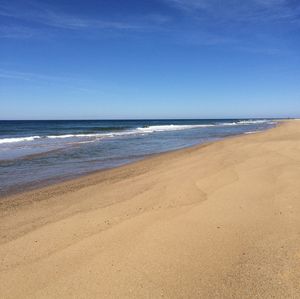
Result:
[{"x": 220, "y": 220}]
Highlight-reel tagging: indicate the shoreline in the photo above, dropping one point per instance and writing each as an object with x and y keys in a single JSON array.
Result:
[
  {"x": 76, "y": 178},
  {"x": 220, "y": 220},
  {"x": 98, "y": 176}
]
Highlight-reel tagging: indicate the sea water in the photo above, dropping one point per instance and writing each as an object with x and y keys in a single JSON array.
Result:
[{"x": 35, "y": 153}]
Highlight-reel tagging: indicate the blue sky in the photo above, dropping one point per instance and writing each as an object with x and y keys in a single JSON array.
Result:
[{"x": 149, "y": 59}]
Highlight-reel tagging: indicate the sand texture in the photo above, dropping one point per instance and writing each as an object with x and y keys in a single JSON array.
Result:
[{"x": 214, "y": 221}]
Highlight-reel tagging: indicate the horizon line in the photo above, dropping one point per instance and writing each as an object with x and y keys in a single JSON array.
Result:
[{"x": 135, "y": 119}]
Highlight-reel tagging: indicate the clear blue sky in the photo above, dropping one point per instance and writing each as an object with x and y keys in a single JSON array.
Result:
[{"x": 74, "y": 59}]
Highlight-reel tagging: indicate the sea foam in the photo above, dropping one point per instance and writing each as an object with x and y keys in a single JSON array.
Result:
[
  {"x": 151, "y": 129},
  {"x": 136, "y": 131},
  {"x": 18, "y": 139}
]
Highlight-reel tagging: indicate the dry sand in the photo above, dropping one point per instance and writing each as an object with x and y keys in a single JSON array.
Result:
[{"x": 214, "y": 221}]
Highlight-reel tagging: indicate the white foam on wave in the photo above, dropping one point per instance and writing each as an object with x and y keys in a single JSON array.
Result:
[
  {"x": 252, "y": 132},
  {"x": 94, "y": 135},
  {"x": 71, "y": 136},
  {"x": 18, "y": 139},
  {"x": 137, "y": 131},
  {"x": 161, "y": 128},
  {"x": 248, "y": 122}
]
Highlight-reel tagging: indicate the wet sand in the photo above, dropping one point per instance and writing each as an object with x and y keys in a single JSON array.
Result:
[{"x": 215, "y": 221}]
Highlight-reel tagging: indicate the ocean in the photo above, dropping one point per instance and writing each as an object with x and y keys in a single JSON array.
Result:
[{"x": 36, "y": 153}]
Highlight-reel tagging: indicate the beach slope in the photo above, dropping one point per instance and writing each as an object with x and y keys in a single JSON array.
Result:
[{"x": 214, "y": 221}]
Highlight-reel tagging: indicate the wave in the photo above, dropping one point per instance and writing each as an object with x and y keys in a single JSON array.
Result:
[
  {"x": 96, "y": 135},
  {"x": 141, "y": 130},
  {"x": 136, "y": 131},
  {"x": 252, "y": 132},
  {"x": 94, "y": 130},
  {"x": 162, "y": 128},
  {"x": 248, "y": 122},
  {"x": 19, "y": 139},
  {"x": 252, "y": 122}
]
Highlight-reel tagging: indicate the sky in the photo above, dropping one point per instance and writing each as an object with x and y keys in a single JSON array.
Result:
[{"x": 119, "y": 59}]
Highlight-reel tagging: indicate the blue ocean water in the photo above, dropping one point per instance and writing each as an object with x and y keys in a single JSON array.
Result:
[{"x": 33, "y": 153}]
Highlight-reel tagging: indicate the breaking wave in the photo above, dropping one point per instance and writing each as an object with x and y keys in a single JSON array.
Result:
[
  {"x": 19, "y": 139},
  {"x": 136, "y": 131}
]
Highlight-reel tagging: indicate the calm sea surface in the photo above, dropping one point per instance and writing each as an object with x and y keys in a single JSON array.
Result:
[{"x": 34, "y": 153}]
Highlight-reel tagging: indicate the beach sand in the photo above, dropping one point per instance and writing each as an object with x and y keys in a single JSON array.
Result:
[{"x": 215, "y": 221}]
